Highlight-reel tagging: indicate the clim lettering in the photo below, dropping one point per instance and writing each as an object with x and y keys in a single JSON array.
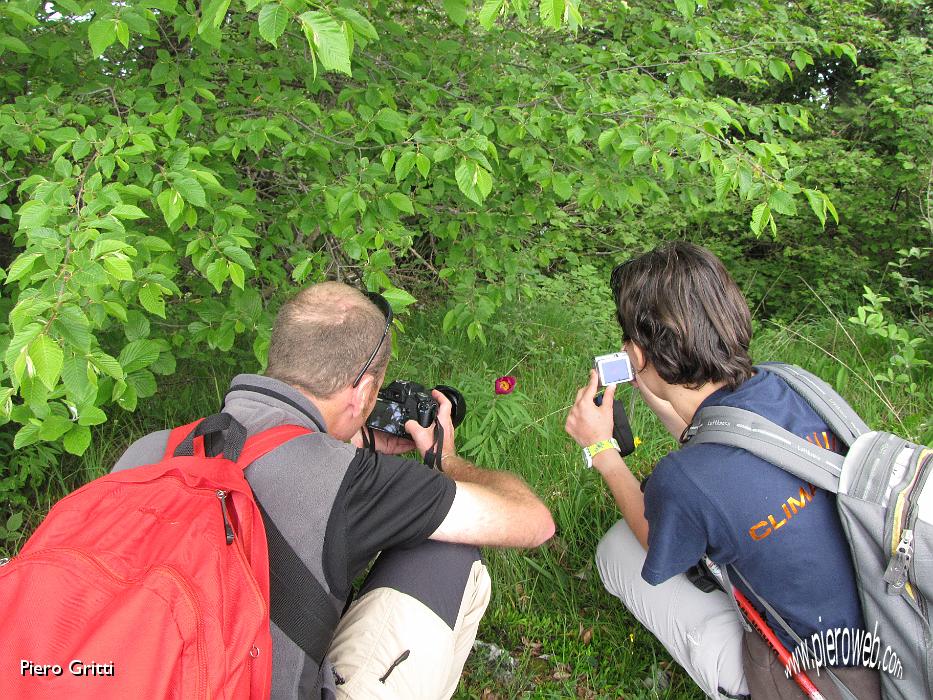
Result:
[
  {"x": 76, "y": 667},
  {"x": 761, "y": 530}
]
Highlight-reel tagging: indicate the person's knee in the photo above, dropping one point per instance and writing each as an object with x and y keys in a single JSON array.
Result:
[
  {"x": 438, "y": 574},
  {"x": 618, "y": 555}
]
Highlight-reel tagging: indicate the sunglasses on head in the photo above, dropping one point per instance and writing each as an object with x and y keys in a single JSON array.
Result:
[{"x": 386, "y": 309}]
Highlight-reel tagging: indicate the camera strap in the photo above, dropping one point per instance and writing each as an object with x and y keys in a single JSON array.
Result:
[{"x": 435, "y": 454}]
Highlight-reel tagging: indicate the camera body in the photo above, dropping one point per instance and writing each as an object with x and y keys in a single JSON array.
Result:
[
  {"x": 403, "y": 400},
  {"x": 614, "y": 368}
]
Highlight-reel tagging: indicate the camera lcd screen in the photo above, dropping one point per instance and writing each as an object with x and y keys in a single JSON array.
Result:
[
  {"x": 615, "y": 370},
  {"x": 388, "y": 417}
]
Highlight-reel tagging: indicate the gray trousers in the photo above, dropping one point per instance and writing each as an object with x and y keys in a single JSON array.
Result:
[{"x": 700, "y": 630}]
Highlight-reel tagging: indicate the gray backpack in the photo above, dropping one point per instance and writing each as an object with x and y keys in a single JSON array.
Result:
[{"x": 886, "y": 512}]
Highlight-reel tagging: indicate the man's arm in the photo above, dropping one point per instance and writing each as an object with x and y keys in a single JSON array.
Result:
[
  {"x": 587, "y": 424},
  {"x": 492, "y": 508}
]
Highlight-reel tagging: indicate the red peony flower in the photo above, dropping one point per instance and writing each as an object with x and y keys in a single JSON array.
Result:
[{"x": 505, "y": 385}]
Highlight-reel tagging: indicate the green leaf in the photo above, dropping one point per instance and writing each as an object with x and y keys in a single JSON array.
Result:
[
  {"x": 489, "y": 12},
  {"x": 91, "y": 415},
  {"x": 128, "y": 211},
  {"x": 119, "y": 268},
  {"x": 358, "y": 22},
  {"x": 686, "y": 7},
  {"x": 54, "y": 427},
  {"x": 101, "y": 33},
  {"x": 456, "y": 10},
  {"x": 783, "y": 203},
  {"x": 77, "y": 440},
  {"x": 47, "y": 357},
  {"x": 401, "y": 202},
  {"x": 273, "y": 18},
  {"x": 398, "y": 298},
  {"x": 33, "y": 214},
  {"x": 328, "y": 40},
  {"x": 830, "y": 208},
  {"x": 390, "y": 120},
  {"x": 403, "y": 165},
  {"x": 760, "y": 216},
  {"x": 552, "y": 13},
  {"x": 561, "y": 186},
  {"x": 11, "y": 43},
  {"x": 171, "y": 204},
  {"x": 123, "y": 34},
  {"x": 817, "y": 204},
  {"x": 27, "y": 435},
  {"x": 137, "y": 325},
  {"x": 151, "y": 299},
  {"x": 237, "y": 275},
  {"x": 189, "y": 188},
  {"x": 138, "y": 354},
  {"x": 21, "y": 266},
  {"x": 71, "y": 323},
  {"x": 424, "y": 164},
  {"x": 14, "y": 522}
]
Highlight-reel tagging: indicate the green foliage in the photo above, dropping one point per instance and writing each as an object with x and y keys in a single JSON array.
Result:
[
  {"x": 168, "y": 169},
  {"x": 908, "y": 340}
]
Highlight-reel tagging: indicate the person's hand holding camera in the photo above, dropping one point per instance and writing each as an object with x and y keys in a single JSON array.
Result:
[
  {"x": 588, "y": 423},
  {"x": 424, "y": 437},
  {"x": 385, "y": 443}
]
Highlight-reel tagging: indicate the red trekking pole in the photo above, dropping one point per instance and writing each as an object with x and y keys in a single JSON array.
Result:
[{"x": 758, "y": 622}]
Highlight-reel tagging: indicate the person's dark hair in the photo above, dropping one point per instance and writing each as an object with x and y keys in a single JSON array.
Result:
[
  {"x": 323, "y": 336},
  {"x": 681, "y": 307}
]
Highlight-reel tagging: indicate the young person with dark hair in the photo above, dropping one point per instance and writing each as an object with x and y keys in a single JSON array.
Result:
[
  {"x": 411, "y": 627},
  {"x": 687, "y": 329}
]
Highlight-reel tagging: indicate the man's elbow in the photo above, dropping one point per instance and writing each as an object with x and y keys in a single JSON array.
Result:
[{"x": 544, "y": 527}]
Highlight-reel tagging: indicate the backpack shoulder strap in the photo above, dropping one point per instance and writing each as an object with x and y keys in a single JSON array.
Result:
[
  {"x": 299, "y": 604},
  {"x": 842, "y": 420},
  {"x": 737, "y": 427},
  {"x": 263, "y": 443}
]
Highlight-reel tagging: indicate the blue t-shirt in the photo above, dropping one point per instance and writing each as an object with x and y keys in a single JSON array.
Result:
[{"x": 781, "y": 533}]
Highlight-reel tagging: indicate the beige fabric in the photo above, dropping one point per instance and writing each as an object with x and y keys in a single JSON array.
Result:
[{"x": 382, "y": 624}]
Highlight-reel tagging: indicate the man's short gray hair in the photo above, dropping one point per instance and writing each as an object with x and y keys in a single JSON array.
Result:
[{"x": 323, "y": 336}]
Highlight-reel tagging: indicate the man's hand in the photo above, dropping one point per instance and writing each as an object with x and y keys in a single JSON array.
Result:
[
  {"x": 588, "y": 423},
  {"x": 386, "y": 443},
  {"x": 424, "y": 437}
]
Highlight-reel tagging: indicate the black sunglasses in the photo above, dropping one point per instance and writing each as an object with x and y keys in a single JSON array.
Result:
[{"x": 386, "y": 309}]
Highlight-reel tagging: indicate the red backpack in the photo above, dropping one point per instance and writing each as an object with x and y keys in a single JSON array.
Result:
[{"x": 151, "y": 582}]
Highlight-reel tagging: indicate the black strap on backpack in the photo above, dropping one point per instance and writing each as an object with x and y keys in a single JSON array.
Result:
[
  {"x": 299, "y": 604},
  {"x": 300, "y": 607}
]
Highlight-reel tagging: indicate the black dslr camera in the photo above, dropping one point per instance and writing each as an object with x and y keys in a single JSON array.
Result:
[{"x": 402, "y": 401}]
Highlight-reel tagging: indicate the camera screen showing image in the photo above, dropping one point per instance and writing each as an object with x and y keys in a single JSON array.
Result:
[
  {"x": 402, "y": 401},
  {"x": 614, "y": 369}
]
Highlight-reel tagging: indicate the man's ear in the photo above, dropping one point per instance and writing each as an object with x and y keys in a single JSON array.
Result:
[
  {"x": 362, "y": 395},
  {"x": 637, "y": 355}
]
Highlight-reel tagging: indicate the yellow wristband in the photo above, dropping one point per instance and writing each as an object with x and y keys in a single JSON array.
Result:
[{"x": 596, "y": 448}]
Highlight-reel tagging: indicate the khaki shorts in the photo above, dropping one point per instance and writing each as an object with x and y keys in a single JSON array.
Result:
[{"x": 392, "y": 645}]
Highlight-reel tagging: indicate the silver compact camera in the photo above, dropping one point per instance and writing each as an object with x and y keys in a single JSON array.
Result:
[{"x": 614, "y": 368}]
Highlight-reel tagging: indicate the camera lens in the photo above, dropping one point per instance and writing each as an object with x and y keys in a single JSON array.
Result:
[{"x": 457, "y": 403}]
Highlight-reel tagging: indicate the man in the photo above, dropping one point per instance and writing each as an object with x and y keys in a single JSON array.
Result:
[
  {"x": 687, "y": 328},
  {"x": 411, "y": 627}
]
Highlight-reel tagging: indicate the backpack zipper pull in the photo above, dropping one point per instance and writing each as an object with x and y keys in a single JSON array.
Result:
[
  {"x": 896, "y": 573},
  {"x": 228, "y": 528}
]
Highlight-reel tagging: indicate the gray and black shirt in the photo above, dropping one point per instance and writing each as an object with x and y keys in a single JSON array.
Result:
[{"x": 336, "y": 505}]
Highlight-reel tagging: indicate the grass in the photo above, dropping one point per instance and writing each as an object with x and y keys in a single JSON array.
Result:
[{"x": 567, "y": 637}]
